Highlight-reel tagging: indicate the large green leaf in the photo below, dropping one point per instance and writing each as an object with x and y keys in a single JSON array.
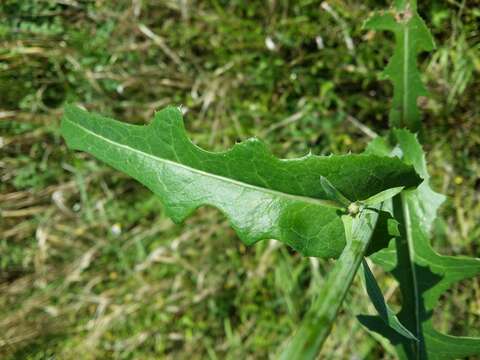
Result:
[
  {"x": 423, "y": 274},
  {"x": 262, "y": 196},
  {"x": 411, "y": 37}
]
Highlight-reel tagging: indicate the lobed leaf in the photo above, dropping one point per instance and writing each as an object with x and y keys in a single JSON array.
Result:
[
  {"x": 423, "y": 274},
  {"x": 262, "y": 196}
]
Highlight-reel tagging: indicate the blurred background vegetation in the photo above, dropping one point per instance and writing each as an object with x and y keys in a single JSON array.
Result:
[{"x": 91, "y": 268}]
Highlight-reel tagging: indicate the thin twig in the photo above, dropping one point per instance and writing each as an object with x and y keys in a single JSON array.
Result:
[{"x": 363, "y": 128}]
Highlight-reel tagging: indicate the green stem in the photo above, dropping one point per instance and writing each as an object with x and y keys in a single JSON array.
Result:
[{"x": 317, "y": 323}]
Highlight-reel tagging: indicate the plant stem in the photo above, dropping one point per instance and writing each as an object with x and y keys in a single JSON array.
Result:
[{"x": 317, "y": 323}]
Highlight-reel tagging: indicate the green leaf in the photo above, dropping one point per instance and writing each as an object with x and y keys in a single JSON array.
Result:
[
  {"x": 422, "y": 273},
  {"x": 384, "y": 311},
  {"x": 333, "y": 194},
  {"x": 411, "y": 37},
  {"x": 263, "y": 197},
  {"x": 383, "y": 196}
]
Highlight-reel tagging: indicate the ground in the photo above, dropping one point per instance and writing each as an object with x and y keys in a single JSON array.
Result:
[{"x": 90, "y": 264}]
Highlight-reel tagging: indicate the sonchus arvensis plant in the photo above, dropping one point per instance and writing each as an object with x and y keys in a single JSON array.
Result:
[{"x": 378, "y": 203}]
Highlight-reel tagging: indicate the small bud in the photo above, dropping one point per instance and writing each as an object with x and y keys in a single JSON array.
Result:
[{"x": 353, "y": 209}]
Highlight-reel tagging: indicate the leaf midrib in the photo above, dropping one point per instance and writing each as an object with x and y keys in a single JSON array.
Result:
[
  {"x": 406, "y": 210},
  {"x": 411, "y": 262},
  {"x": 313, "y": 201},
  {"x": 406, "y": 54}
]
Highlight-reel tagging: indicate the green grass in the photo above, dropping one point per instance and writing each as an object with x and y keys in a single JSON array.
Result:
[{"x": 90, "y": 265}]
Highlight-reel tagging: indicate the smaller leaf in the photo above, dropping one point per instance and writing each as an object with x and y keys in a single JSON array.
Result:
[
  {"x": 333, "y": 194},
  {"x": 382, "y": 196},
  {"x": 412, "y": 37},
  {"x": 385, "y": 312}
]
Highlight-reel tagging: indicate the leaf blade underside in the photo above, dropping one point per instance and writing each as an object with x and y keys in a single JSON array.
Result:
[
  {"x": 423, "y": 274},
  {"x": 262, "y": 196},
  {"x": 307, "y": 341}
]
